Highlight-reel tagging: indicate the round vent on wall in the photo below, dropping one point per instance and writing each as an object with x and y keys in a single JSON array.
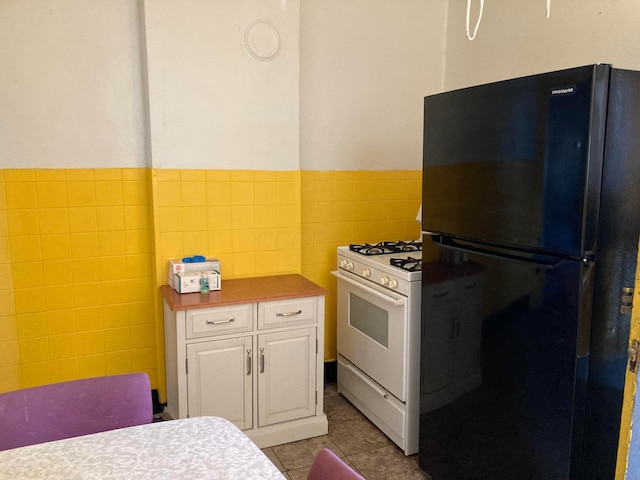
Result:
[{"x": 262, "y": 40}]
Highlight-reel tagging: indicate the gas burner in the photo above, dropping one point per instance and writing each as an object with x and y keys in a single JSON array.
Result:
[
  {"x": 386, "y": 247},
  {"x": 411, "y": 246},
  {"x": 376, "y": 249},
  {"x": 410, "y": 264}
]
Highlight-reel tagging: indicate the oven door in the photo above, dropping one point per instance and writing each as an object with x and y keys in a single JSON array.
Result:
[{"x": 372, "y": 331}]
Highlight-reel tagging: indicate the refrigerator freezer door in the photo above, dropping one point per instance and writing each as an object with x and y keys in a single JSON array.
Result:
[{"x": 518, "y": 163}]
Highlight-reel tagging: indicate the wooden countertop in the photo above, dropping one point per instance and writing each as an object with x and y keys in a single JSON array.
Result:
[{"x": 244, "y": 290}]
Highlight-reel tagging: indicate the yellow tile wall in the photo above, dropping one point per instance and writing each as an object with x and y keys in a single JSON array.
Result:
[
  {"x": 9, "y": 355},
  {"x": 249, "y": 220},
  {"x": 82, "y": 252},
  {"x": 76, "y": 298},
  {"x": 343, "y": 207}
]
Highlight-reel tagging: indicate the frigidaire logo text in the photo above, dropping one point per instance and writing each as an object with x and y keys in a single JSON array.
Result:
[{"x": 562, "y": 91}]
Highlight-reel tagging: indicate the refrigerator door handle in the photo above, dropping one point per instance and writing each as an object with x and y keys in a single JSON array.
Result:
[{"x": 544, "y": 262}]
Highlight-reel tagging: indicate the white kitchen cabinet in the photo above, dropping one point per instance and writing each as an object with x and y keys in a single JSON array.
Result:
[
  {"x": 452, "y": 310},
  {"x": 221, "y": 366},
  {"x": 286, "y": 376},
  {"x": 251, "y": 353}
]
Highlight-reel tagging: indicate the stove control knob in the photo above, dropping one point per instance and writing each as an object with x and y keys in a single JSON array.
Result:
[
  {"x": 384, "y": 280},
  {"x": 393, "y": 283},
  {"x": 346, "y": 264},
  {"x": 366, "y": 273}
]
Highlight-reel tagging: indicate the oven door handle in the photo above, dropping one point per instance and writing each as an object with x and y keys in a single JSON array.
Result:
[{"x": 395, "y": 301}]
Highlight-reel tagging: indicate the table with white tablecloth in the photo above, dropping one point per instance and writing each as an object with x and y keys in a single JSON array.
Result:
[{"x": 192, "y": 448}]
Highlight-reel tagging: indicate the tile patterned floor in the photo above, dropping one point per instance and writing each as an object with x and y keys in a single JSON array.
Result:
[{"x": 353, "y": 438}]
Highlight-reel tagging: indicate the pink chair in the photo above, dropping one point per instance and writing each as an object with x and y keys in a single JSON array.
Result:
[
  {"x": 327, "y": 466},
  {"x": 74, "y": 408}
]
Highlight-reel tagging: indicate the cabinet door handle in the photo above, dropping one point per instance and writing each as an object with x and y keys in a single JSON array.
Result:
[
  {"x": 261, "y": 359},
  {"x": 470, "y": 286},
  {"x": 218, "y": 322},
  {"x": 249, "y": 362},
  {"x": 288, "y": 314},
  {"x": 440, "y": 295}
]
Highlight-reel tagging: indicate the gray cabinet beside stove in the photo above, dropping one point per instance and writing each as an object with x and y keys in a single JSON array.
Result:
[{"x": 452, "y": 307}]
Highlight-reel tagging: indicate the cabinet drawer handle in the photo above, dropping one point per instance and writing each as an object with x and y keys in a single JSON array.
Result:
[
  {"x": 218, "y": 322},
  {"x": 261, "y": 359},
  {"x": 248, "y": 362},
  {"x": 440, "y": 295},
  {"x": 288, "y": 314},
  {"x": 470, "y": 286}
]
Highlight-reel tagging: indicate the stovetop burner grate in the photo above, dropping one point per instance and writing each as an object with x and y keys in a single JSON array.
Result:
[
  {"x": 410, "y": 264},
  {"x": 386, "y": 247}
]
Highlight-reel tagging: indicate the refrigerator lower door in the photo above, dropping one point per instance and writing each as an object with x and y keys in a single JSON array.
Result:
[{"x": 522, "y": 415}]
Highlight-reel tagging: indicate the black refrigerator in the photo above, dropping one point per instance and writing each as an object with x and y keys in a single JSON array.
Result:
[{"x": 533, "y": 185}]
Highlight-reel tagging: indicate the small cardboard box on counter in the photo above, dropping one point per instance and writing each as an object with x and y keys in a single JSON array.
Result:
[
  {"x": 184, "y": 277},
  {"x": 190, "y": 282}
]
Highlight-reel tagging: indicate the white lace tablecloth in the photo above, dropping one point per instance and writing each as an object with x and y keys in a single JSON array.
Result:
[{"x": 192, "y": 448}]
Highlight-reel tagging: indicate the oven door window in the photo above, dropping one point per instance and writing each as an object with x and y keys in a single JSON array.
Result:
[{"x": 370, "y": 319}]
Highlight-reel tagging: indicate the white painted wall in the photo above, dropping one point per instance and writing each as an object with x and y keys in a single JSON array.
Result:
[
  {"x": 365, "y": 66},
  {"x": 212, "y": 104},
  {"x": 515, "y": 38},
  {"x": 345, "y": 91},
  {"x": 70, "y": 84},
  {"x": 76, "y": 73}
]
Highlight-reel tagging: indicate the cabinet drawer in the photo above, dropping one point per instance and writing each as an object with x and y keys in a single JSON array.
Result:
[
  {"x": 440, "y": 294},
  {"x": 470, "y": 288},
  {"x": 298, "y": 311},
  {"x": 218, "y": 321},
  {"x": 381, "y": 407}
]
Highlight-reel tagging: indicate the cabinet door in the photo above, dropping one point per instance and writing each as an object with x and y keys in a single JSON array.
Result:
[
  {"x": 219, "y": 380},
  {"x": 286, "y": 375},
  {"x": 437, "y": 334},
  {"x": 466, "y": 346}
]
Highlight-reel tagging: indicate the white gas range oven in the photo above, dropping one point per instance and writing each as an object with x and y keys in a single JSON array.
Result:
[{"x": 379, "y": 335}]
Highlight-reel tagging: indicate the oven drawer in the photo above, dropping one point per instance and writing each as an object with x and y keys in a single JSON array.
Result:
[
  {"x": 298, "y": 311},
  {"x": 204, "y": 322},
  {"x": 382, "y": 408}
]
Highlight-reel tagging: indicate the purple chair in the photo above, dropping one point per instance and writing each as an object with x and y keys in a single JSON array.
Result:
[
  {"x": 74, "y": 408},
  {"x": 327, "y": 466}
]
